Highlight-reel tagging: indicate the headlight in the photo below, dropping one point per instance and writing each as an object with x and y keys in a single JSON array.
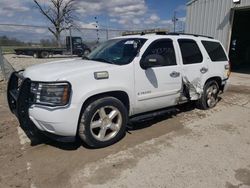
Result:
[{"x": 51, "y": 94}]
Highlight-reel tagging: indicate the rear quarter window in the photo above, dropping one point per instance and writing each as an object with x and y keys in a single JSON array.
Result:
[{"x": 215, "y": 51}]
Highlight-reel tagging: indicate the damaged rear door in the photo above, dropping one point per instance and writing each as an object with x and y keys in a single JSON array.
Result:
[{"x": 195, "y": 67}]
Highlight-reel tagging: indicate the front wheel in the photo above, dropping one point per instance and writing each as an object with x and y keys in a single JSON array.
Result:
[
  {"x": 209, "y": 97},
  {"x": 86, "y": 52},
  {"x": 103, "y": 122}
]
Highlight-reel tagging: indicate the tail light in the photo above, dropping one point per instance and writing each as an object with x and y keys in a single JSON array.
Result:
[{"x": 228, "y": 69}]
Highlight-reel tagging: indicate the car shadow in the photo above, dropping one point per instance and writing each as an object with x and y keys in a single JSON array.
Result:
[
  {"x": 163, "y": 115},
  {"x": 37, "y": 138}
]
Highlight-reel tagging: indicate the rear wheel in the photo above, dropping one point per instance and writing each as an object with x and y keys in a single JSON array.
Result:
[
  {"x": 103, "y": 122},
  {"x": 209, "y": 97},
  {"x": 44, "y": 54}
]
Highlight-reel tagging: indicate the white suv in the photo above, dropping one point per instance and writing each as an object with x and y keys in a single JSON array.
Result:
[{"x": 94, "y": 97}]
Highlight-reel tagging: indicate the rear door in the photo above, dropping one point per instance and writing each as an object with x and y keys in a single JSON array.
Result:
[
  {"x": 158, "y": 87},
  {"x": 195, "y": 67},
  {"x": 218, "y": 61}
]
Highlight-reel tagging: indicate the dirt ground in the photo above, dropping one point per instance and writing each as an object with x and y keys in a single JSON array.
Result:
[
  {"x": 188, "y": 148},
  {"x": 20, "y": 62}
]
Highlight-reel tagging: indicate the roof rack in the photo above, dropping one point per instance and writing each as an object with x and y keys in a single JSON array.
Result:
[
  {"x": 161, "y": 32},
  {"x": 195, "y": 35},
  {"x": 144, "y": 32}
]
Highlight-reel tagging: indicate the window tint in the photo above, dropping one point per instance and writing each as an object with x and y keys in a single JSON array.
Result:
[
  {"x": 215, "y": 51},
  {"x": 190, "y": 51},
  {"x": 163, "y": 48}
]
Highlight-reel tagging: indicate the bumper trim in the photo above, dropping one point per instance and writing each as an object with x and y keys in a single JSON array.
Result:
[{"x": 58, "y": 138}]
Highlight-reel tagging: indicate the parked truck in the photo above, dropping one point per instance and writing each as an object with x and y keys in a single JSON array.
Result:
[{"x": 78, "y": 48}]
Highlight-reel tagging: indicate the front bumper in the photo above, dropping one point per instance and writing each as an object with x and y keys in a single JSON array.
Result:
[{"x": 61, "y": 121}]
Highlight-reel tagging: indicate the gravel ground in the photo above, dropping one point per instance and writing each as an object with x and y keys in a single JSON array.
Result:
[
  {"x": 20, "y": 62},
  {"x": 191, "y": 148}
]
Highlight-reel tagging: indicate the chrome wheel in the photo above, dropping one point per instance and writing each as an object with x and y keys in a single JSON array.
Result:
[
  {"x": 212, "y": 93},
  {"x": 106, "y": 123}
]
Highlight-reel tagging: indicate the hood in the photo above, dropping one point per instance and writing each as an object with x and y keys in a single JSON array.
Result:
[{"x": 57, "y": 70}]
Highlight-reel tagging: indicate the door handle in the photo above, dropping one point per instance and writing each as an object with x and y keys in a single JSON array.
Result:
[
  {"x": 203, "y": 70},
  {"x": 174, "y": 74}
]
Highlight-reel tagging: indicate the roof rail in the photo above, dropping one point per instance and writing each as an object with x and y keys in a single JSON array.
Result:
[
  {"x": 144, "y": 32},
  {"x": 195, "y": 35},
  {"x": 161, "y": 32}
]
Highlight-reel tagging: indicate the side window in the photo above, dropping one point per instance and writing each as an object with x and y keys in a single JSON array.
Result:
[
  {"x": 215, "y": 51},
  {"x": 165, "y": 49},
  {"x": 190, "y": 51}
]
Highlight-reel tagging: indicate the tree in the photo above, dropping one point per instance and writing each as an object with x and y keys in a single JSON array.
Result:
[{"x": 60, "y": 14}]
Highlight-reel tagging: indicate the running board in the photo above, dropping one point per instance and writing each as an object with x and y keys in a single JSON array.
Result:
[{"x": 151, "y": 115}]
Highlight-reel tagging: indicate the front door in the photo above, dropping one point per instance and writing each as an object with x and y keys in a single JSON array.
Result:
[{"x": 158, "y": 86}]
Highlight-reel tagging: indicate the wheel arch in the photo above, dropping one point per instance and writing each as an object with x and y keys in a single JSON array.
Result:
[
  {"x": 119, "y": 94},
  {"x": 217, "y": 79}
]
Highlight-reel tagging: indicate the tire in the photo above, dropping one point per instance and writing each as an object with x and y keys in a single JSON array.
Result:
[
  {"x": 103, "y": 122},
  {"x": 86, "y": 52},
  {"x": 44, "y": 54},
  {"x": 35, "y": 55},
  {"x": 209, "y": 97}
]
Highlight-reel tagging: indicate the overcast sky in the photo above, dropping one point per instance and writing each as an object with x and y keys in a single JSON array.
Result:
[{"x": 119, "y": 14}]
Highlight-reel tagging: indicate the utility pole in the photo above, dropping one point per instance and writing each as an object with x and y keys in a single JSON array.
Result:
[
  {"x": 71, "y": 42},
  {"x": 174, "y": 20},
  {"x": 107, "y": 31},
  {"x": 97, "y": 30}
]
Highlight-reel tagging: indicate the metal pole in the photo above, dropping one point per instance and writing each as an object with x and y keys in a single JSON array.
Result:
[
  {"x": 97, "y": 30},
  {"x": 107, "y": 31},
  {"x": 2, "y": 65},
  {"x": 71, "y": 45},
  {"x": 174, "y": 20}
]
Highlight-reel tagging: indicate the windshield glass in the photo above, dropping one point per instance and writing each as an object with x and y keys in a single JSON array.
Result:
[{"x": 117, "y": 51}]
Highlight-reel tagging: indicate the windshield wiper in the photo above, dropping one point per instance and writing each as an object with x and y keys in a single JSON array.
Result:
[{"x": 102, "y": 60}]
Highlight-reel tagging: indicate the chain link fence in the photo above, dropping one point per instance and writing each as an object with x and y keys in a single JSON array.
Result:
[
  {"x": 15, "y": 36},
  {"x": 5, "y": 68}
]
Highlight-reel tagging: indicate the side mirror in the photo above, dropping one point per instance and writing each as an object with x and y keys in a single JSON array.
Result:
[{"x": 153, "y": 60}]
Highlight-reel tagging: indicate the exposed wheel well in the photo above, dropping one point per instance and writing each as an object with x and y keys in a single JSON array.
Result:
[
  {"x": 120, "y": 95},
  {"x": 217, "y": 79}
]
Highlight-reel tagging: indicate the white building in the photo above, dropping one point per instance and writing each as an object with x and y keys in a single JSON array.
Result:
[{"x": 226, "y": 20}]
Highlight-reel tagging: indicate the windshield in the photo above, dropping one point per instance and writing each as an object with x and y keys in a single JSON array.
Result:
[{"x": 117, "y": 51}]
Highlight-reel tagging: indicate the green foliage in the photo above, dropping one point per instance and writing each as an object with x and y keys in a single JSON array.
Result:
[{"x": 5, "y": 41}]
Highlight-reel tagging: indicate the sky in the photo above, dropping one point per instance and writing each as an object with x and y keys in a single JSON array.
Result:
[{"x": 112, "y": 14}]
